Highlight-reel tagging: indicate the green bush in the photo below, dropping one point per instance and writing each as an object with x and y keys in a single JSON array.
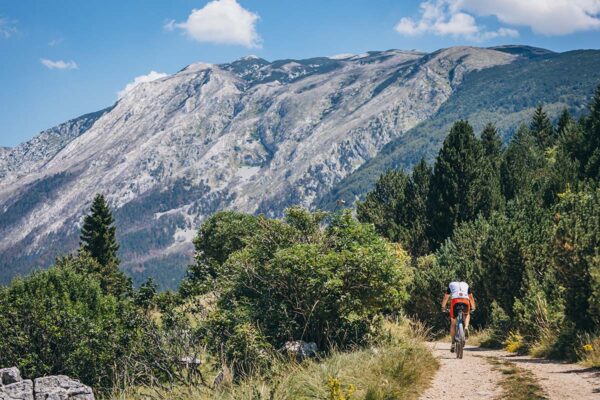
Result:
[
  {"x": 61, "y": 322},
  {"x": 298, "y": 281},
  {"x": 220, "y": 235}
]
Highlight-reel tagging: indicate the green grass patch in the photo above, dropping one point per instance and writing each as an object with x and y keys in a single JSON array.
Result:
[{"x": 517, "y": 383}]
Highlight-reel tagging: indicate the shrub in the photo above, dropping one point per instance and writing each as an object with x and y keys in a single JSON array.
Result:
[
  {"x": 499, "y": 325},
  {"x": 297, "y": 281},
  {"x": 61, "y": 322}
]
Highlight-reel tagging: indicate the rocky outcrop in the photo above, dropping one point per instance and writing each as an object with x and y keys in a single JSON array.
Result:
[
  {"x": 10, "y": 375},
  {"x": 58, "y": 387},
  {"x": 300, "y": 349}
]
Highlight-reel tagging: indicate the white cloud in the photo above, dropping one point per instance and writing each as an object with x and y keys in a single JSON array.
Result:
[
  {"x": 152, "y": 76},
  {"x": 458, "y": 17},
  {"x": 548, "y": 17},
  {"x": 445, "y": 18},
  {"x": 59, "y": 64},
  {"x": 221, "y": 22},
  {"x": 7, "y": 27}
]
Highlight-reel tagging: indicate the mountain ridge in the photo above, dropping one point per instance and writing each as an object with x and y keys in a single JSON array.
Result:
[{"x": 250, "y": 135}]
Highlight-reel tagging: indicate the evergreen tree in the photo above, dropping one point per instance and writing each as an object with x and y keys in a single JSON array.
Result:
[
  {"x": 146, "y": 294},
  {"x": 542, "y": 128},
  {"x": 415, "y": 209},
  {"x": 574, "y": 250},
  {"x": 98, "y": 241},
  {"x": 98, "y": 233},
  {"x": 490, "y": 196},
  {"x": 591, "y": 141},
  {"x": 564, "y": 120},
  {"x": 492, "y": 143},
  {"x": 381, "y": 205},
  {"x": 565, "y": 169},
  {"x": 521, "y": 160},
  {"x": 452, "y": 198}
]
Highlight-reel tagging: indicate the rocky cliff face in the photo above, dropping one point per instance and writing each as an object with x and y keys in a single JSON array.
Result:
[{"x": 251, "y": 135}]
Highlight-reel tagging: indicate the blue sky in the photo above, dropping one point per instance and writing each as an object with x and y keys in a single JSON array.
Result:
[{"x": 60, "y": 59}]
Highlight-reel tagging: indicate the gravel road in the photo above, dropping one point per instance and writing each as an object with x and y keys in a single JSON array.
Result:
[{"x": 479, "y": 381}]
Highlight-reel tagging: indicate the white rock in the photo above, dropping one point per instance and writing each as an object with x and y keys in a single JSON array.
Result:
[{"x": 61, "y": 387}]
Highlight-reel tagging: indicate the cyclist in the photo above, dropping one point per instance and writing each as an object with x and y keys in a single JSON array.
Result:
[{"x": 460, "y": 293}]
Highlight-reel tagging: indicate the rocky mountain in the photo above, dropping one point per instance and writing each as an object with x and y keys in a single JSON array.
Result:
[
  {"x": 252, "y": 135},
  {"x": 505, "y": 95}
]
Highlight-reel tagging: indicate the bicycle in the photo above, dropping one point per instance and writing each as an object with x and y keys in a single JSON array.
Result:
[{"x": 459, "y": 336}]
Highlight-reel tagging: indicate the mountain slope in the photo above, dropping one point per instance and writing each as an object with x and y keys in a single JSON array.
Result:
[
  {"x": 505, "y": 95},
  {"x": 250, "y": 135},
  {"x": 29, "y": 156}
]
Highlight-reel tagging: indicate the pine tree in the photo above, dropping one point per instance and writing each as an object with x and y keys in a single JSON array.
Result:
[
  {"x": 98, "y": 242},
  {"x": 591, "y": 141},
  {"x": 520, "y": 164},
  {"x": 415, "y": 213},
  {"x": 542, "y": 128},
  {"x": 489, "y": 196},
  {"x": 381, "y": 205},
  {"x": 98, "y": 233},
  {"x": 453, "y": 191},
  {"x": 492, "y": 142},
  {"x": 564, "y": 120}
]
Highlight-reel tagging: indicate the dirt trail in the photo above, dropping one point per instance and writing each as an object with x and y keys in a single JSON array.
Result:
[
  {"x": 469, "y": 378},
  {"x": 480, "y": 381}
]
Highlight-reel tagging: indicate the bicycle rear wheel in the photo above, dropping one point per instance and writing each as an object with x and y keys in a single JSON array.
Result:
[{"x": 460, "y": 343}]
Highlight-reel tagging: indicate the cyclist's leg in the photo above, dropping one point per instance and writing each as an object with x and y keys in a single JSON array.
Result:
[
  {"x": 453, "y": 328},
  {"x": 453, "y": 334}
]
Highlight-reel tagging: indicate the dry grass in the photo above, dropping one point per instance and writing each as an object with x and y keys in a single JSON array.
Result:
[
  {"x": 589, "y": 353},
  {"x": 400, "y": 367},
  {"x": 517, "y": 383}
]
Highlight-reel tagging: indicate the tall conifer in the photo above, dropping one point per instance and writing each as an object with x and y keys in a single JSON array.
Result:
[
  {"x": 563, "y": 121},
  {"x": 541, "y": 128},
  {"x": 98, "y": 241},
  {"x": 452, "y": 198},
  {"x": 591, "y": 164},
  {"x": 98, "y": 233},
  {"x": 417, "y": 190},
  {"x": 492, "y": 142},
  {"x": 489, "y": 196}
]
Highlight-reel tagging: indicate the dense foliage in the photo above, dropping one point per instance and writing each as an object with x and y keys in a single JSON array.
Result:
[
  {"x": 520, "y": 223},
  {"x": 297, "y": 280},
  {"x": 60, "y": 321}
]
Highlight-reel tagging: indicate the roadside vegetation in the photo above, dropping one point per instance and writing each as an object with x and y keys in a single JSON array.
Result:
[
  {"x": 520, "y": 222},
  {"x": 257, "y": 285},
  {"x": 397, "y": 366}
]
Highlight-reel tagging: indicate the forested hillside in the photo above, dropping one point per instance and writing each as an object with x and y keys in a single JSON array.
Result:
[{"x": 506, "y": 95}]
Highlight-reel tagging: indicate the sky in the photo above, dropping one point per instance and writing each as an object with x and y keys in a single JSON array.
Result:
[{"x": 64, "y": 58}]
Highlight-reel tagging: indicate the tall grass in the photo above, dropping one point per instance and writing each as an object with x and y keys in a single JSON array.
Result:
[{"x": 398, "y": 366}]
